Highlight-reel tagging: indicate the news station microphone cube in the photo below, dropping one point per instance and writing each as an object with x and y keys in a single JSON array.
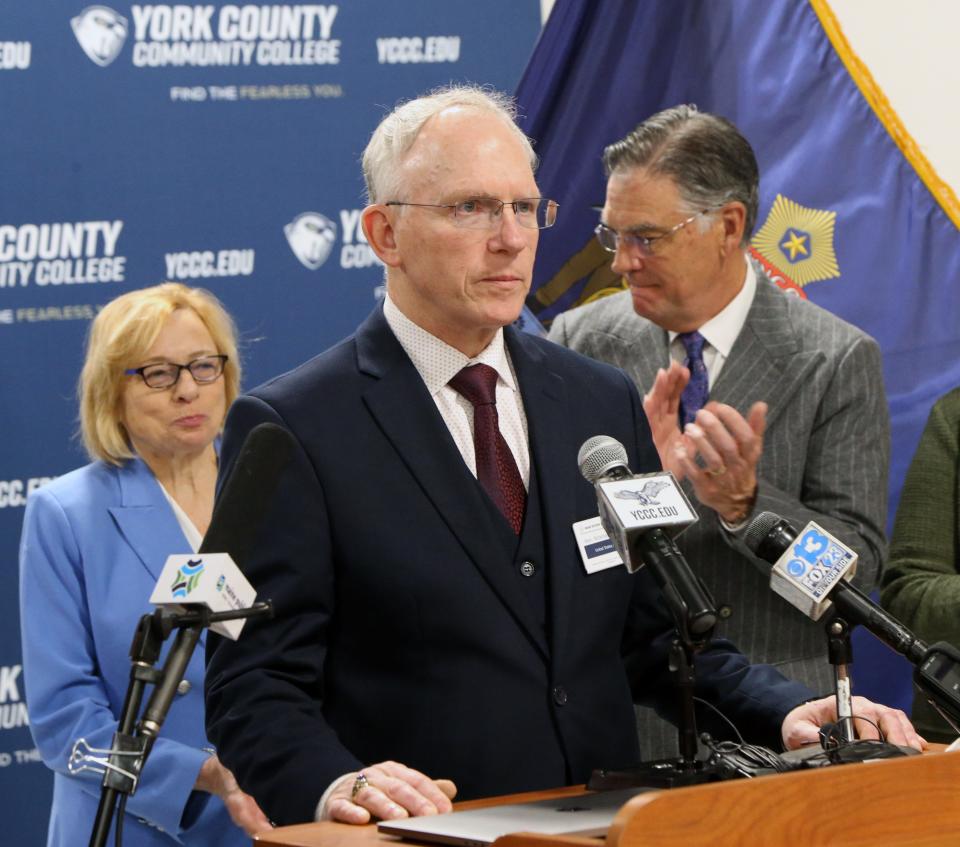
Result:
[
  {"x": 809, "y": 569},
  {"x": 637, "y": 504},
  {"x": 208, "y": 579}
]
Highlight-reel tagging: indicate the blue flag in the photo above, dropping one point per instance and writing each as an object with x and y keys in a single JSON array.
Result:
[{"x": 851, "y": 215}]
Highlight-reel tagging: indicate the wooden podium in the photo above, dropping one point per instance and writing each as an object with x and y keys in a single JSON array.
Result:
[{"x": 884, "y": 803}]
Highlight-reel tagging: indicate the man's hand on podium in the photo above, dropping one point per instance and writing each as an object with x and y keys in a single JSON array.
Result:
[
  {"x": 802, "y": 726},
  {"x": 387, "y": 791}
]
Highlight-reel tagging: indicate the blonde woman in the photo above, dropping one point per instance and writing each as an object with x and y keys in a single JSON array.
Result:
[{"x": 161, "y": 370}]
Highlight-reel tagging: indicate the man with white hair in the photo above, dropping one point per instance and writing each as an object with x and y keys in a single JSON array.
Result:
[{"x": 433, "y": 617}]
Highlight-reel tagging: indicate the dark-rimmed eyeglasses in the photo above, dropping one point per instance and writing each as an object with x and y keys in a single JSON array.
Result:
[
  {"x": 610, "y": 240},
  {"x": 486, "y": 212},
  {"x": 167, "y": 374}
]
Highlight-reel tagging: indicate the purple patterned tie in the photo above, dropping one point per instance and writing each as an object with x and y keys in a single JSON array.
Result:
[
  {"x": 695, "y": 395},
  {"x": 496, "y": 467}
]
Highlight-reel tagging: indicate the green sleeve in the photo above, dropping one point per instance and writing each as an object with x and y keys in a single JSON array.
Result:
[{"x": 921, "y": 585}]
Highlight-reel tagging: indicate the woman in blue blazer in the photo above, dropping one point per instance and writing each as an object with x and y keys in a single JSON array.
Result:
[{"x": 160, "y": 371}]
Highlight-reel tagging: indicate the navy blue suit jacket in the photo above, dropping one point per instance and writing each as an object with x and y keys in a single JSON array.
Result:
[{"x": 402, "y": 633}]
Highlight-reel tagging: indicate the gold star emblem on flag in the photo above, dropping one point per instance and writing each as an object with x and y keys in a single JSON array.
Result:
[{"x": 799, "y": 241}]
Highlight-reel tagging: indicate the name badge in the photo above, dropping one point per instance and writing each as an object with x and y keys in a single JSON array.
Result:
[{"x": 596, "y": 548}]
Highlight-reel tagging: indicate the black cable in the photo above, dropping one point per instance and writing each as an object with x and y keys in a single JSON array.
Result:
[
  {"x": 737, "y": 756},
  {"x": 721, "y": 715},
  {"x": 831, "y": 734}
]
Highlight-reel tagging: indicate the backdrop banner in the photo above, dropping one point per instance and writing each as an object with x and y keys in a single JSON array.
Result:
[{"x": 214, "y": 144}]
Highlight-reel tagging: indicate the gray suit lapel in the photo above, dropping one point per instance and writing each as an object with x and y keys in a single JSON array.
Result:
[
  {"x": 650, "y": 353},
  {"x": 631, "y": 343},
  {"x": 767, "y": 361}
]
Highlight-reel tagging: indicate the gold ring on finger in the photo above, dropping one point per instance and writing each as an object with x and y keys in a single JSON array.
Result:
[{"x": 358, "y": 785}]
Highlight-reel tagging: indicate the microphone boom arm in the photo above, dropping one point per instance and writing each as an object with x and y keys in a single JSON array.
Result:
[{"x": 132, "y": 743}]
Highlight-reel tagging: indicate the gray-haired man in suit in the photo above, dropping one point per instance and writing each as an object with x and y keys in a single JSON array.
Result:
[{"x": 759, "y": 400}]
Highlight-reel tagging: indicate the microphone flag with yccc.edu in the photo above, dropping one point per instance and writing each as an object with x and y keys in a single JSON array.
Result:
[{"x": 640, "y": 503}]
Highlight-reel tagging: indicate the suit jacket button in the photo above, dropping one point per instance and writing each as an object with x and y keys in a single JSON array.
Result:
[
  {"x": 559, "y": 695},
  {"x": 183, "y": 686},
  {"x": 528, "y": 568}
]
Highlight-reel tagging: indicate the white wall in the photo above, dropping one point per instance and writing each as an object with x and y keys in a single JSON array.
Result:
[{"x": 910, "y": 48}]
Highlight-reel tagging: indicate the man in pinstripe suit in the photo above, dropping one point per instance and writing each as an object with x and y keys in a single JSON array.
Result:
[{"x": 794, "y": 417}]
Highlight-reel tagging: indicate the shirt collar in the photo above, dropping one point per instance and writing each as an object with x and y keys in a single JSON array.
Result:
[
  {"x": 722, "y": 329},
  {"x": 435, "y": 360}
]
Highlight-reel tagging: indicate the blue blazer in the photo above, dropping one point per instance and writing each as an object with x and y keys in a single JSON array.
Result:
[
  {"x": 94, "y": 542},
  {"x": 402, "y": 630}
]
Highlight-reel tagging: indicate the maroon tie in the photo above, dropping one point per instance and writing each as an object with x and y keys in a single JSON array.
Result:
[{"x": 496, "y": 467}]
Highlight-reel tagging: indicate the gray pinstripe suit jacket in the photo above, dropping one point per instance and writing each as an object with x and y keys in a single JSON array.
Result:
[{"x": 825, "y": 457}]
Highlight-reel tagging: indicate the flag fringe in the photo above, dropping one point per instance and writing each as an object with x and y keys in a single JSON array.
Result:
[{"x": 878, "y": 101}]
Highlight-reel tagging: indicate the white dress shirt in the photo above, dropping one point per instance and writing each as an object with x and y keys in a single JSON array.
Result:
[
  {"x": 437, "y": 362},
  {"x": 193, "y": 535},
  {"x": 721, "y": 331}
]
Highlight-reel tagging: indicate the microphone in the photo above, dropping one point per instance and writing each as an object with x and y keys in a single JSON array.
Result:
[
  {"x": 245, "y": 495},
  {"x": 601, "y": 458},
  {"x": 812, "y": 575},
  {"x": 630, "y": 504},
  {"x": 641, "y": 513},
  {"x": 211, "y": 578},
  {"x": 936, "y": 667}
]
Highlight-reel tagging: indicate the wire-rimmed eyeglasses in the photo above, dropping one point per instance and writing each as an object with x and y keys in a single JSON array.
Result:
[
  {"x": 485, "y": 212},
  {"x": 610, "y": 239},
  {"x": 167, "y": 374}
]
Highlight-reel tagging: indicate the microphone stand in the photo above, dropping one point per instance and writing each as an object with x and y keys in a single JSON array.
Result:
[
  {"x": 936, "y": 668},
  {"x": 840, "y": 655},
  {"x": 693, "y": 630},
  {"x": 121, "y": 770},
  {"x": 132, "y": 741}
]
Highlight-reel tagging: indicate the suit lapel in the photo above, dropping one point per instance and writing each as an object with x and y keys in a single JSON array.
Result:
[
  {"x": 766, "y": 362},
  {"x": 631, "y": 343},
  {"x": 145, "y": 519},
  {"x": 553, "y": 452},
  {"x": 409, "y": 419},
  {"x": 651, "y": 352}
]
